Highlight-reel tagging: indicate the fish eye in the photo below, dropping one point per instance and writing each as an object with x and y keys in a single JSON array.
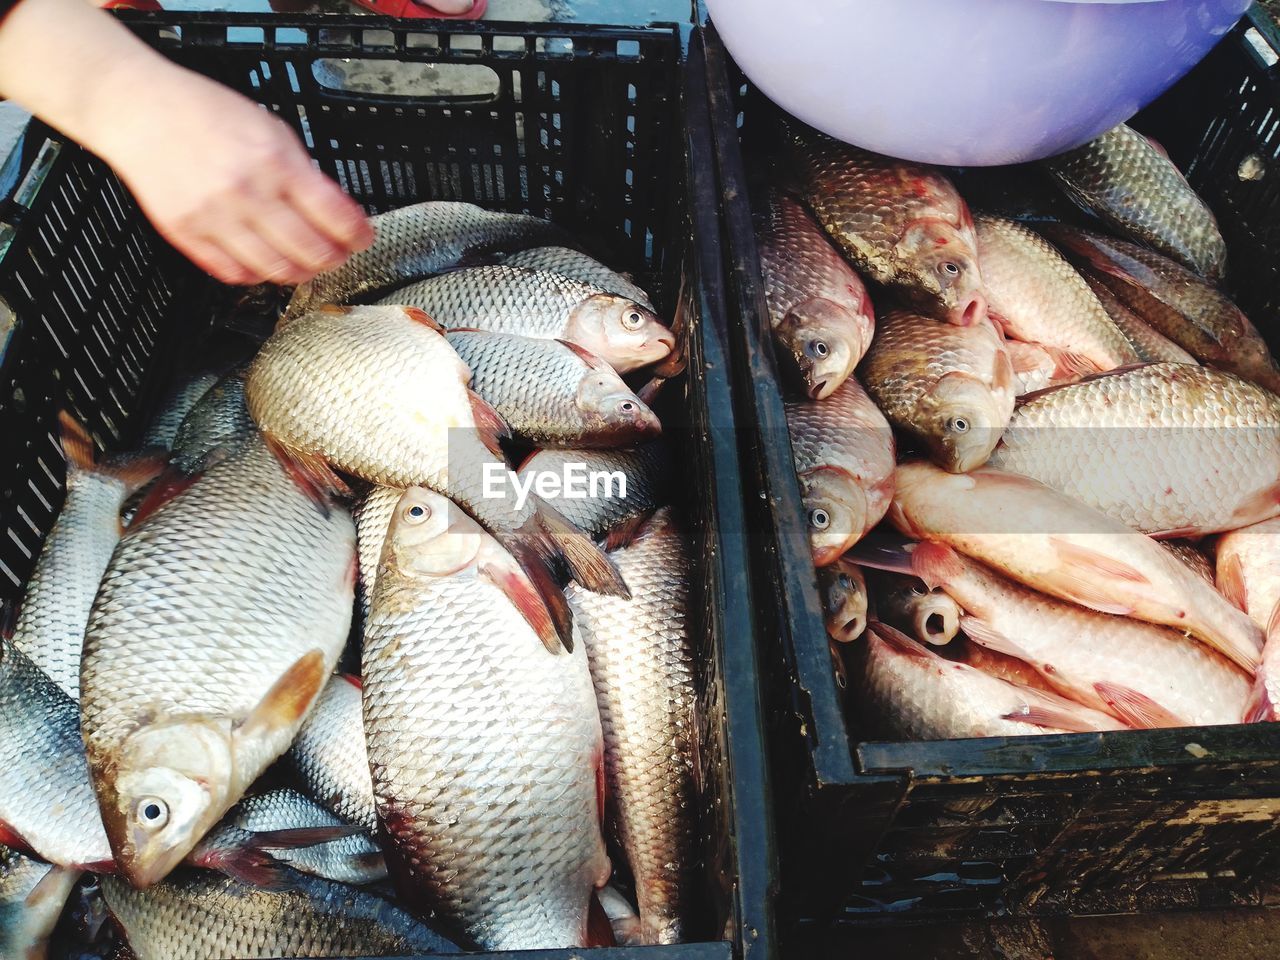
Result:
[
  {"x": 632, "y": 320},
  {"x": 949, "y": 268},
  {"x": 958, "y": 425},
  {"x": 819, "y": 348},
  {"x": 626, "y": 406},
  {"x": 152, "y": 813},
  {"x": 819, "y": 519},
  {"x": 417, "y": 513},
  {"x": 917, "y": 590},
  {"x": 844, "y": 581}
]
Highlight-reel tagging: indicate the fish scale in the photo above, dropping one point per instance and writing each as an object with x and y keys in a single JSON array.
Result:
[
  {"x": 484, "y": 749},
  {"x": 197, "y": 915},
  {"x": 1040, "y": 298},
  {"x": 1162, "y": 447},
  {"x": 578, "y": 266},
  {"x": 552, "y": 395},
  {"x": 417, "y": 241},
  {"x": 924, "y": 374},
  {"x": 205, "y": 606},
  {"x": 642, "y": 664},
  {"x": 843, "y": 452},
  {"x": 900, "y": 224},
  {"x": 329, "y": 754},
  {"x": 26, "y": 924},
  {"x": 498, "y": 298},
  {"x": 43, "y": 768},
  {"x": 814, "y": 296},
  {"x": 1125, "y": 180},
  {"x": 219, "y": 420}
]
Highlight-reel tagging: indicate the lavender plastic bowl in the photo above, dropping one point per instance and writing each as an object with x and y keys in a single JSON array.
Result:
[{"x": 969, "y": 82}]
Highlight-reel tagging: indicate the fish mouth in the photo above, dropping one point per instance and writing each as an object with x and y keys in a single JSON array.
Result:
[
  {"x": 819, "y": 391},
  {"x": 970, "y": 312},
  {"x": 851, "y": 628}
]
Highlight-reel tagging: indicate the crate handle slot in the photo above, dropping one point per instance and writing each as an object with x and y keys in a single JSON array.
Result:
[{"x": 423, "y": 83}]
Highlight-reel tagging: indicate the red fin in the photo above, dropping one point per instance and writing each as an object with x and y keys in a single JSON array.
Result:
[
  {"x": 1134, "y": 708},
  {"x": 592, "y": 360},
  {"x": 294, "y": 838},
  {"x": 8, "y": 618},
  {"x": 536, "y": 603},
  {"x": 289, "y": 698},
  {"x": 1176, "y": 533},
  {"x": 11, "y": 838},
  {"x": 879, "y": 553},
  {"x": 168, "y": 486},
  {"x": 312, "y": 474},
  {"x": 983, "y": 634},
  {"x": 421, "y": 316},
  {"x": 586, "y": 563},
  {"x": 649, "y": 392},
  {"x": 899, "y": 641},
  {"x": 1074, "y": 555},
  {"x": 352, "y": 679},
  {"x": 1025, "y": 357},
  {"x": 251, "y": 867},
  {"x": 337, "y": 308},
  {"x": 624, "y": 533},
  {"x": 1002, "y": 377},
  {"x": 1262, "y": 505},
  {"x": 1045, "y": 709},
  {"x": 1230, "y": 582},
  {"x": 135, "y": 471},
  {"x": 1260, "y": 708},
  {"x": 935, "y": 563},
  {"x": 599, "y": 929},
  {"x": 490, "y": 426},
  {"x": 77, "y": 445},
  {"x": 1068, "y": 363}
]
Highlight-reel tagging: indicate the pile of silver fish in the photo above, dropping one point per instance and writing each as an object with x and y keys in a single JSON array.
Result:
[
  {"x": 518, "y": 719},
  {"x": 1042, "y": 475}
]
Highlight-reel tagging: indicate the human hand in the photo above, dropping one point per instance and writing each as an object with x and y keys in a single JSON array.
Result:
[{"x": 223, "y": 180}]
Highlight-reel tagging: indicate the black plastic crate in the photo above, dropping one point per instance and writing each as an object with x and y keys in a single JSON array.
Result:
[
  {"x": 889, "y": 833},
  {"x": 602, "y": 129}
]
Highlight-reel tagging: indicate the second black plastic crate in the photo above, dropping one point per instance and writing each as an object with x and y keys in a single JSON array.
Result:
[
  {"x": 603, "y": 130},
  {"x": 876, "y": 833}
]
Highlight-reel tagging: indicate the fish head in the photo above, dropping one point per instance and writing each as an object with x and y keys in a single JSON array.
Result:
[
  {"x": 931, "y": 616},
  {"x": 823, "y": 342},
  {"x": 961, "y": 420},
  {"x": 607, "y": 403},
  {"x": 429, "y": 536},
  {"x": 941, "y": 263},
  {"x": 170, "y": 785},
  {"x": 621, "y": 331},
  {"x": 844, "y": 598},
  {"x": 835, "y": 510}
]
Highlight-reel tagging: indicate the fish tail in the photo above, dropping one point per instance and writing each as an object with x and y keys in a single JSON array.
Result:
[
  {"x": 135, "y": 470},
  {"x": 561, "y": 541}
]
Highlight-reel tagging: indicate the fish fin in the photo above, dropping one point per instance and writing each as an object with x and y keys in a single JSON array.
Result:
[
  {"x": 984, "y": 635},
  {"x": 296, "y": 838},
  {"x": 1260, "y": 708},
  {"x": 1023, "y": 361},
  {"x": 136, "y": 470},
  {"x": 1176, "y": 533},
  {"x": 587, "y": 563},
  {"x": 1158, "y": 147},
  {"x": 1231, "y": 584},
  {"x": 1083, "y": 565},
  {"x": 624, "y": 533},
  {"x": 1259, "y": 506},
  {"x": 252, "y": 867},
  {"x": 935, "y": 563},
  {"x": 1054, "y": 718},
  {"x": 490, "y": 426},
  {"x": 592, "y": 360},
  {"x": 289, "y": 698},
  {"x": 649, "y": 392},
  {"x": 168, "y": 486},
  {"x": 9, "y": 611},
  {"x": 1134, "y": 708},
  {"x": 337, "y": 308},
  {"x": 422, "y": 317},
  {"x": 880, "y": 553},
  {"x": 373, "y": 865},
  {"x": 10, "y": 837},
  {"x": 599, "y": 931},
  {"x": 311, "y": 473},
  {"x": 1068, "y": 363},
  {"x": 899, "y": 641},
  {"x": 534, "y": 592},
  {"x": 352, "y": 679},
  {"x": 1002, "y": 377},
  {"x": 53, "y": 885},
  {"x": 77, "y": 445}
]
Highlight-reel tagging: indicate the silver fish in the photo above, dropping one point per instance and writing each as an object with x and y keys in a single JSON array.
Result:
[
  {"x": 485, "y": 751},
  {"x": 32, "y": 895},
  {"x": 218, "y": 621},
  {"x": 329, "y": 754},
  {"x": 218, "y": 421},
  {"x": 642, "y": 664},
  {"x": 578, "y": 266}
]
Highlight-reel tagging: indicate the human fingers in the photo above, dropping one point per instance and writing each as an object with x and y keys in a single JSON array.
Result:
[
  {"x": 246, "y": 244},
  {"x": 323, "y": 204},
  {"x": 282, "y": 226}
]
